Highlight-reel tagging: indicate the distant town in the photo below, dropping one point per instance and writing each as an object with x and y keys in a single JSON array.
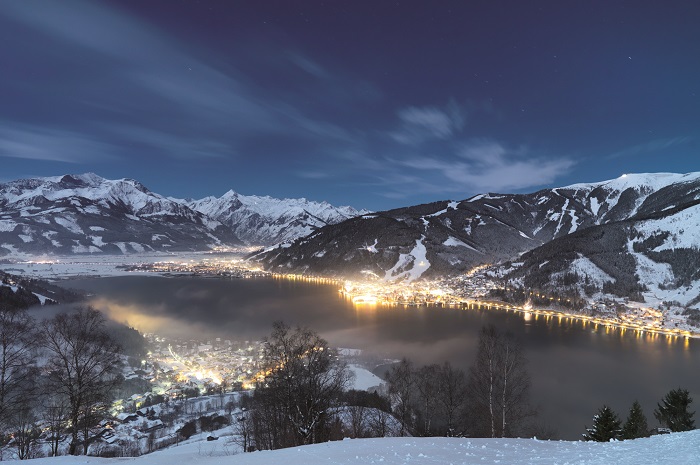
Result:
[{"x": 475, "y": 289}]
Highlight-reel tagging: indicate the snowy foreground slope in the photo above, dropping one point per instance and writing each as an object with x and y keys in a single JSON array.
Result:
[{"x": 676, "y": 449}]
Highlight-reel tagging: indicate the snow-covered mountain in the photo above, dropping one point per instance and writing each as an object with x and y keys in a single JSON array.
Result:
[
  {"x": 656, "y": 212},
  {"x": 654, "y": 253},
  {"x": 89, "y": 214},
  {"x": 266, "y": 220}
]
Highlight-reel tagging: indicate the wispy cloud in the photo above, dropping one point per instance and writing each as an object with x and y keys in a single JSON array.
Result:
[
  {"x": 423, "y": 123},
  {"x": 656, "y": 145},
  {"x": 39, "y": 143},
  {"x": 168, "y": 144},
  {"x": 306, "y": 64},
  {"x": 475, "y": 166},
  {"x": 161, "y": 85},
  {"x": 499, "y": 169},
  {"x": 437, "y": 156}
]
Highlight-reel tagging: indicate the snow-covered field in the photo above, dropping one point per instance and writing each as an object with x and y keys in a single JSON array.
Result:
[
  {"x": 675, "y": 449},
  {"x": 364, "y": 379}
]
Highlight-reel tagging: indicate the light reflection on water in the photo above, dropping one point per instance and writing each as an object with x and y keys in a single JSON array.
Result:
[{"x": 576, "y": 366}]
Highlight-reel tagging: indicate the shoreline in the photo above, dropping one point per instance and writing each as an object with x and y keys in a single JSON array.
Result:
[
  {"x": 547, "y": 313},
  {"x": 61, "y": 269}
]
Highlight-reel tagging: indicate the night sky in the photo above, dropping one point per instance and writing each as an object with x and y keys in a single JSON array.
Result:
[{"x": 375, "y": 104}]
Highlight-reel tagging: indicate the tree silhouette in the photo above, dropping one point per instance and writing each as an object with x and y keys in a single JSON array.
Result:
[
  {"x": 673, "y": 411},
  {"x": 303, "y": 378},
  {"x": 401, "y": 382},
  {"x": 17, "y": 343},
  {"x": 636, "y": 424},
  {"x": 498, "y": 386},
  {"x": 83, "y": 364},
  {"x": 606, "y": 426}
]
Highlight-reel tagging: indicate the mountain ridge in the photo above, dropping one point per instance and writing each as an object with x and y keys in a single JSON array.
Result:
[
  {"x": 86, "y": 214},
  {"x": 547, "y": 227},
  {"x": 267, "y": 220}
]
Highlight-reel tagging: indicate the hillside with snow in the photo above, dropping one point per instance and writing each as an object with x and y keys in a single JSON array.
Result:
[
  {"x": 676, "y": 449},
  {"x": 652, "y": 256},
  {"x": 450, "y": 237},
  {"x": 24, "y": 292}
]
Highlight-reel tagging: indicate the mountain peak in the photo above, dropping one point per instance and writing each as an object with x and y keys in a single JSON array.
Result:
[
  {"x": 265, "y": 220},
  {"x": 653, "y": 180}
]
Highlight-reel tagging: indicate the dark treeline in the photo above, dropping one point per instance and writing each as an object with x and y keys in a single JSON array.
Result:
[
  {"x": 23, "y": 297},
  {"x": 68, "y": 392},
  {"x": 302, "y": 397},
  {"x": 672, "y": 413},
  {"x": 492, "y": 399}
]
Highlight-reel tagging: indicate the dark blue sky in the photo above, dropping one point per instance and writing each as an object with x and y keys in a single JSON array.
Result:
[{"x": 375, "y": 104}]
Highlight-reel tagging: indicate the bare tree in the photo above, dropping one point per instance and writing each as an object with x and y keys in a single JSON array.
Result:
[
  {"x": 499, "y": 386},
  {"x": 379, "y": 426},
  {"x": 17, "y": 357},
  {"x": 243, "y": 426},
  {"x": 482, "y": 382},
  {"x": 401, "y": 381},
  {"x": 358, "y": 420},
  {"x": 451, "y": 400},
  {"x": 426, "y": 382},
  {"x": 55, "y": 415},
  {"x": 303, "y": 378},
  {"x": 89, "y": 422},
  {"x": 83, "y": 362},
  {"x": 514, "y": 387},
  {"x": 25, "y": 430}
]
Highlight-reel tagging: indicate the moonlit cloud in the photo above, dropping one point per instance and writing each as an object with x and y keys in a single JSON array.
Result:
[
  {"x": 476, "y": 166},
  {"x": 245, "y": 96},
  {"x": 307, "y": 65},
  {"x": 39, "y": 143},
  {"x": 483, "y": 152},
  {"x": 174, "y": 102},
  {"x": 171, "y": 145},
  {"x": 651, "y": 147},
  {"x": 441, "y": 159},
  {"x": 421, "y": 123}
]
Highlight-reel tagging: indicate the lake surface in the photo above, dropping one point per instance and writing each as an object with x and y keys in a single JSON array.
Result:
[{"x": 575, "y": 369}]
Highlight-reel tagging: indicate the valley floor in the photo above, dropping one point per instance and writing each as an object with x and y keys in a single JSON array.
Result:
[{"x": 676, "y": 449}]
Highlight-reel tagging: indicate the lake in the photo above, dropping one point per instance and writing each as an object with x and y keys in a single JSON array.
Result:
[{"x": 575, "y": 369}]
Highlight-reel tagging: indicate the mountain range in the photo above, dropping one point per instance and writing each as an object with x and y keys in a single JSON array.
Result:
[
  {"x": 266, "y": 220},
  {"x": 86, "y": 213},
  {"x": 639, "y": 232}
]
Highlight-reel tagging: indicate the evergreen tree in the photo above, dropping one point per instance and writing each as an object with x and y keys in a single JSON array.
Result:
[
  {"x": 606, "y": 426},
  {"x": 636, "y": 424},
  {"x": 673, "y": 412}
]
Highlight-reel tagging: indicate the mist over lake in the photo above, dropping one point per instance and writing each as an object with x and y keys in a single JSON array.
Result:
[{"x": 574, "y": 369}]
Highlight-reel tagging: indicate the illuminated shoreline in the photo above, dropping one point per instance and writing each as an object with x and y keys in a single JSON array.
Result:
[
  {"x": 463, "y": 295},
  {"x": 496, "y": 305}
]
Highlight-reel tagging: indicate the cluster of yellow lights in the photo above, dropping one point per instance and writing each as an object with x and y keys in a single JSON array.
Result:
[
  {"x": 425, "y": 292},
  {"x": 206, "y": 374}
]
